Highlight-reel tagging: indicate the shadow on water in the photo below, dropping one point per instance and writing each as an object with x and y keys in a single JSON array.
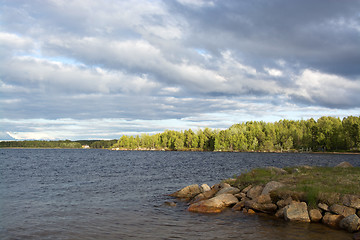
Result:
[{"x": 98, "y": 194}]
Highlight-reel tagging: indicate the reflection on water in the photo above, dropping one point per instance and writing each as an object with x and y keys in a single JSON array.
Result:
[{"x": 98, "y": 194}]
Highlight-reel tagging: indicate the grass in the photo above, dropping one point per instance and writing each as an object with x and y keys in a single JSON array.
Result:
[{"x": 310, "y": 184}]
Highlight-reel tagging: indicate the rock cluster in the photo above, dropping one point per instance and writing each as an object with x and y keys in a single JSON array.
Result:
[{"x": 262, "y": 198}]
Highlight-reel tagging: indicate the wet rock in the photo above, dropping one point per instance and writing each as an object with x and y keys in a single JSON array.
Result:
[
  {"x": 342, "y": 210},
  {"x": 271, "y": 186},
  {"x": 214, "y": 205},
  {"x": 296, "y": 211},
  {"x": 187, "y": 192},
  {"x": 324, "y": 207},
  {"x": 170, "y": 204},
  {"x": 254, "y": 192},
  {"x": 332, "y": 220},
  {"x": 280, "y": 213},
  {"x": 204, "y": 187},
  {"x": 228, "y": 190},
  {"x": 315, "y": 215},
  {"x": 350, "y": 223},
  {"x": 344, "y": 165},
  {"x": 351, "y": 201}
]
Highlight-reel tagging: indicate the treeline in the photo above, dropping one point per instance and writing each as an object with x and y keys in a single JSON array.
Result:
[
  {"x": 57, "y": 144},
  {"x": 325, "y": 134}
]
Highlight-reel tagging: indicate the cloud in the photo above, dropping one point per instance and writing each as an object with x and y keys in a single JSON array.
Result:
[{"x": 180, "y": 62}]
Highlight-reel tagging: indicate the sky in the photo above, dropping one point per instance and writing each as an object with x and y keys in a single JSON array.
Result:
[{"x": 89, "y": 69}]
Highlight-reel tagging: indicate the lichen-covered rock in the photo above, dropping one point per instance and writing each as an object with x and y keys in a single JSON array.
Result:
[
  {"x": 344, "y": 165},
  {"x": 332, "y": 220},
  {"x": 351, "y": 201},
  {"x": 271, "y": 186},
  {"x": 350, "y": 223},
  {"x": 296, "y": 211},
  {"x": 315, "y": 215},
  {"x": 228, "y": 190},
  {"x": 214, "y": 205},
  {"x": 187, "y": 192},
  {"x": 204, "y": 187},
  {"x": 342, "y": 210},
  {"x": 262, "y": 207},
  {"x": 254, "y": 192}
]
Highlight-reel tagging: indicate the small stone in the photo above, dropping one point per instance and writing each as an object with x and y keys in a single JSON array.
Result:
[
  {"x": 280, "y": 213},
  {"x": 350, "y": 223},
  {"x": 254, "y": 192},
  {"x": 276, "y": 170},
  {"x": 171, "y": 204},
  {"x": 281, "y": 203},
  {"x": 315, "y": 215},
  {"x": 324, "y": 207},
  {"x": 344, "y": 165},
  {"x": 296, "y": 211},
  {"x": 332, "y": 220},
  {"x": 250, "y": 211},
  {"x": 342, "y": 210}
]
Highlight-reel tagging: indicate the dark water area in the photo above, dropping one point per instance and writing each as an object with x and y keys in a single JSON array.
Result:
[{"x": 100, "y": 194}]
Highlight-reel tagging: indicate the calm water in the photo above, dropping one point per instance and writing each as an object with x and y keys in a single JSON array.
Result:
[{"x": 100, "y": 194}]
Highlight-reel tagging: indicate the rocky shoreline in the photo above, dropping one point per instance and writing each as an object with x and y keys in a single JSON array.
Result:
[{"x": 337, "y": 210}]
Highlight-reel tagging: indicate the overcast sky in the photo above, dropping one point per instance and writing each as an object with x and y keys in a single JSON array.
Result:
[{"x": 89, "y": 69}]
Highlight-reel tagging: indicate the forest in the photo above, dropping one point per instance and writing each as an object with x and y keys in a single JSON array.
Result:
[{"x": 327, "y": 134}]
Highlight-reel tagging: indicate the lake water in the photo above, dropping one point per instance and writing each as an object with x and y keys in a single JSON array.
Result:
[{"x": 101, "y": 194}]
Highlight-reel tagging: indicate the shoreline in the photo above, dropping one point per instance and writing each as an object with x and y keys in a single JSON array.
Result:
[{"x": 291, "y": 194}]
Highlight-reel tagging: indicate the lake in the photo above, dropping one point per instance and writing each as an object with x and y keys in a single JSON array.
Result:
[{"x": 101, "y": 194}]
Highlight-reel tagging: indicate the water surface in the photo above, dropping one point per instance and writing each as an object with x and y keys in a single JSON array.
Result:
[{"x": 100, "y": 194}]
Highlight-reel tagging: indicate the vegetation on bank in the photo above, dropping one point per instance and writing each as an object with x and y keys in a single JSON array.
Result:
[
  {"x": 58, "y": 144},
  {"x": 309, "y": 184},
  {"x": 325, "y": 134}
]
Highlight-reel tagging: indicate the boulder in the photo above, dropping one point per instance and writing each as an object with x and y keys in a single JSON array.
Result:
[
  {"x": 228, "y": 190},
  {"x": 262, "y": 207},
  {"x": 204, "y": 187},
  {"x": 332, "y": 220},
  {"x": 342, "y": 210},
  {"x": 315, "y": 215},
  {"x": 238, "y": 206},
  {"x": 344, "y": 165},
  {"x": 240, "y": 195},
  {"x": 205, "y": 195},
  {"x": 351, "y": 201},
  {"x": 324, "y": 207},
  {"x": 350, "y": 223},
  {"x": 263, "y": 198},
  {"x": 187, "y": 192},
  {"x": 214, "y": 205},
  {"x": 270, "y": 186},
  {"x": 254, "y": 192},
  {"x": 296, "y": 211}
]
